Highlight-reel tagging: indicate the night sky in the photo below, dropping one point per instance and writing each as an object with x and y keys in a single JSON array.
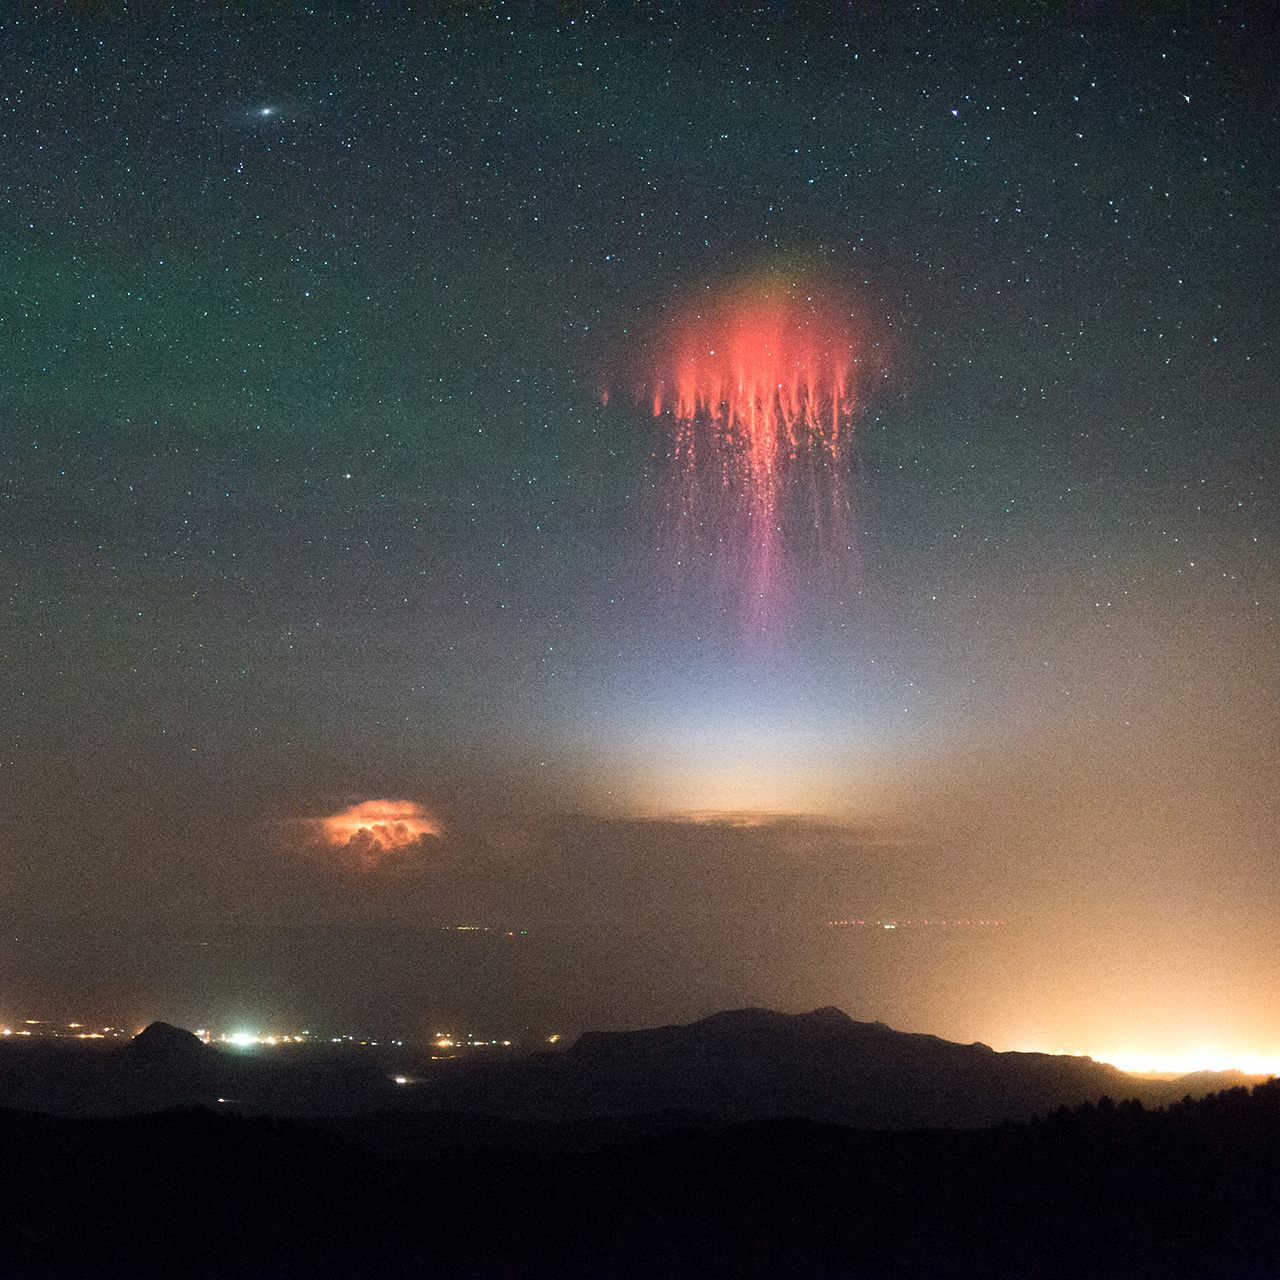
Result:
[{"x": 309, "y": 497}]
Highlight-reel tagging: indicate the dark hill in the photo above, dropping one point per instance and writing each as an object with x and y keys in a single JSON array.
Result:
[
  {"x": 165, "y": 1066},
  {"x": 1099, "y": 1192},
  {"x": 752, "y": 1064},
  {"x": 162, "y": 1038},
  {"x": 755, "y": 1063}
]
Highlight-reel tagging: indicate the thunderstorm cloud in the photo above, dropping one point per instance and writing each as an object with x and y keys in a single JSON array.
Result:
[{"x": 373, "y": 829}]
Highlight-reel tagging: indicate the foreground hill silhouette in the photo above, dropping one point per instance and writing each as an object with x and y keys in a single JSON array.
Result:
[
  {"x": 161, "y": 1039},
  {"x": 1102, "y": 1190},
  {"x": 164, "y": 1066},
  {"x": 757, "y": 1064},
  {"x": 741, "y": 1065}
]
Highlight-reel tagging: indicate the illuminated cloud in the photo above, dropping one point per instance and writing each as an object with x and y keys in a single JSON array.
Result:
[
  {"x": 374, "y": 828},
  {"x": 740, "y": 818}
]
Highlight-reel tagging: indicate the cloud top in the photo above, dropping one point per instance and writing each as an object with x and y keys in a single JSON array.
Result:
[{"x": 374, "y": 828}]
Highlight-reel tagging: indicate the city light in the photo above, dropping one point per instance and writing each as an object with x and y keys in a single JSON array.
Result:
[
  {"x": 1185, "y": 1064},
  {"x": 898, "y": 922},
  {"x": 453, "y": 1044}
]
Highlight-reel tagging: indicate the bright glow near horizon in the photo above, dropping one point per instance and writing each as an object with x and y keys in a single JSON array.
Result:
[{"x": 1138, "y": 1062}]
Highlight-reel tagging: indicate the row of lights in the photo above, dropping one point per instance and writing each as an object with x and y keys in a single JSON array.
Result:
[
  {"x": 447, "y": 1040},
  {"x": 70, "y": 1030},
  {"x": 248, "y": 1039},
  {"x": 895, "y": 924}
]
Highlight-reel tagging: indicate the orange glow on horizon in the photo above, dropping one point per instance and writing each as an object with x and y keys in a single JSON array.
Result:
[
  {"x": 741, "y": 818},
  {"x": 1189, "y": 1062},
  {"x": 1185, "y": 1064}
]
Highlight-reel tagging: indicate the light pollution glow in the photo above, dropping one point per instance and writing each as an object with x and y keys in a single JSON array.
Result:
[{"x": 1184, "y": 1064}]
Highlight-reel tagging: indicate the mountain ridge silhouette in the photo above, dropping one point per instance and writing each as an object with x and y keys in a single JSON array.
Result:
[{"x": 758, "y": 1063}]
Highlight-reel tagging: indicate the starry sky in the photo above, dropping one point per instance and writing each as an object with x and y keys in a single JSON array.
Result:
[{"x": 309, "y": 498}]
